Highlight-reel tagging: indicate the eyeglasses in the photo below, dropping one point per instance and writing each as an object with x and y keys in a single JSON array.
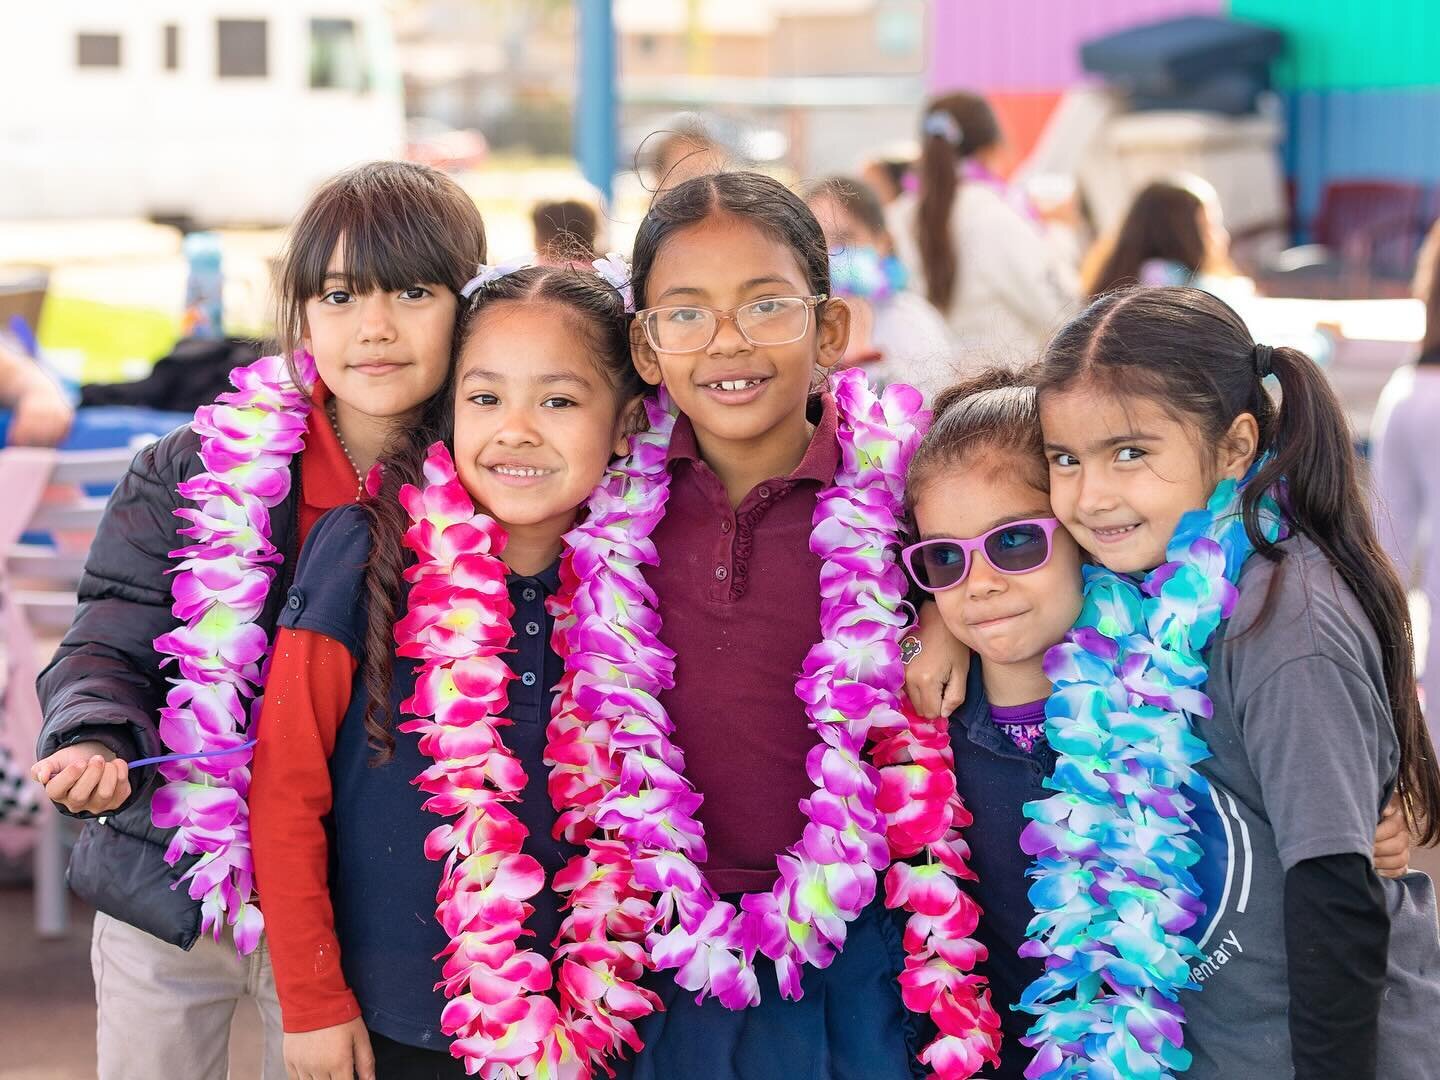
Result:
[
  {"x": 1017, "y": 547},
  {"x": 776, "y": 320}
]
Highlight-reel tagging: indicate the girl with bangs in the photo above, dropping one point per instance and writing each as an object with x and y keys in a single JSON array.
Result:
[{"x": 147, "y": 701}]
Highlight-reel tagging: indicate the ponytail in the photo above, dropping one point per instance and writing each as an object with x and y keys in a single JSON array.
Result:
[
  {"x": 954, "y": 127},
  {"x": 1310, "y": 451},
  {"x": 1192, "y": 353},
  {"x": 939, "y": 184}
]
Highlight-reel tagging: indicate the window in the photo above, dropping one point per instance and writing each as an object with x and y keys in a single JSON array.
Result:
[
  {"x": 172, "y": 47},
  {"x": 337, "y": 59},
  {"x": 242, "y": 47},
  {"x": 97, "y": 50}
]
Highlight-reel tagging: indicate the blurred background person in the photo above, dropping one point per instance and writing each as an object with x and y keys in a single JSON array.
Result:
[
  {"x": 1173, "y": 234},
  {"x": 1406, "y": 477},
  {"x": 979, "y": 260},
  {"x": 690, "y": 149},
  {"x": 897, "y": 334},
  {"x": 565, "y": 232},
  {"x": 886, "y": 176}
]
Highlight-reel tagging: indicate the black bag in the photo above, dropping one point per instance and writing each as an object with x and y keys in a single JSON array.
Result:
[{"x": 196, "y": 370}]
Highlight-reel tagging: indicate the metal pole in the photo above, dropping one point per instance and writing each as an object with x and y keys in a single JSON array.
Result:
[{"x": 595, "y": 98}]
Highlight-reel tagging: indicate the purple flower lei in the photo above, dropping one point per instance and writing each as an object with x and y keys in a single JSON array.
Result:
[
  {"x": 247, "y": 441},
  {"x": 850, "y": 684},
  {"x": 1114, "y": 893}
]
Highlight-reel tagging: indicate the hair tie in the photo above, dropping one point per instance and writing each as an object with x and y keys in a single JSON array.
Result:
[
  {"x": 1261, "y": 356},
  {"x": 616, "y": 272},
  {"x": 942, "y": 124},
  {"x": 486, "y": 275}
]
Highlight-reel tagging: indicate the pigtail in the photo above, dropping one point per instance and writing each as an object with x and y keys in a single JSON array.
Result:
[
  {"x": 1310, "y": 450},
  {"x": 939, "y": 187}
]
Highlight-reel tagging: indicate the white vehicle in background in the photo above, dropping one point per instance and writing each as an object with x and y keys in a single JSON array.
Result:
[{"x": 203, "y": 111}]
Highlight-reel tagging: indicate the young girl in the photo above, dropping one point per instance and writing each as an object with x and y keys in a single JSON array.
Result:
[
  {"x": 533, "y": 410},
  {"x": 771, "y": 507},
  {"x": 1172, "y": 235},
  {"x": 1291, "y": 706},
  {"x": 986, "y": 267},
  {"x": 1007, "y": 579},
  {"x": 368, "y": 289},
  {"x": 896, "y": 333}
]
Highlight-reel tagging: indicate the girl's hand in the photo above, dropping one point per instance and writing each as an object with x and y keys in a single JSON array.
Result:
[
  {"x": 935, "y": 676},
  {"x": 85, "y": 778},
  {"x": 1392, "y": 842},
  {"x": 341, "y": 1052}
]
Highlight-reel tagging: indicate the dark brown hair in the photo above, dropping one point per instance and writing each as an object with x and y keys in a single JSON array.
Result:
[
  {"x": 1427, "y": 282},
  {"x": 1162, "y": 223},
  {"x": 992, "y": 412},
  {"x": 1191, "y": 353},
  {"x": 939, "y": 180},
  {"x": 853, "y": 196},
  {"x": 600, "y": 319},
  {"x": 564, "y": 229},
  {"x": 758, "y": 199},
  {"x": 403, "y": 224}
]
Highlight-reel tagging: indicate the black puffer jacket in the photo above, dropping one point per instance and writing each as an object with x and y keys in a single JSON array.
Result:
[{"x": 105, "y": 682}]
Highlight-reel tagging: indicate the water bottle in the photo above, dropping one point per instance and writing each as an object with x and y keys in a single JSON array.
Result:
[{"x": 203, "y": 287}]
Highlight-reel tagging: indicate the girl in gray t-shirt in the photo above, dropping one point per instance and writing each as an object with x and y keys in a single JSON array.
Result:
[{"x": 1245, "y": 641}]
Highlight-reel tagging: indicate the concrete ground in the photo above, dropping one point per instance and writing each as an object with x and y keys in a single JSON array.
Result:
[{"x": 47, "y": 1001}]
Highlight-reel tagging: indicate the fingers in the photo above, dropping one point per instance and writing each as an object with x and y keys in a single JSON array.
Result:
[
  {"x": 364, "y": 1055},
  {"x": 954, "y": 695},
  {"x": 923, "y": 689},
  {"x": 92, "y": 787}
]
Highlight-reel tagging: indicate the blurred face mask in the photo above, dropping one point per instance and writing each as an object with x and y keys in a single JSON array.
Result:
[{"x": 861, "y": 271}]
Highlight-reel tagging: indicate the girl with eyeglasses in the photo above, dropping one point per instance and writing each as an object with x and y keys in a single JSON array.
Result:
[
  {"x": 772, "y": 508},
  {"x": 1007, "y": 578}
]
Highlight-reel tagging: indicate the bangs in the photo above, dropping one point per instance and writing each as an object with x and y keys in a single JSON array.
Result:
[{"x": 385, "y": 248}]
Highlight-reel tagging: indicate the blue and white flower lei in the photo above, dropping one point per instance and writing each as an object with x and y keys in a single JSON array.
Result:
[{"x": 1113, "y": 890}]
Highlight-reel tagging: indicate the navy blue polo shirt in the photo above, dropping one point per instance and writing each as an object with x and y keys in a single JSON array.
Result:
[
  {"x": 382, "y": 885},
  {"x": 996, "y": 779}
]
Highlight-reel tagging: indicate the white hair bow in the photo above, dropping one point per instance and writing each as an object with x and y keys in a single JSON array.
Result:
[
  {"x": 943, "y": 124},
  {"x": 616, "y": 270},
  {"x": 484, "y": 275}
]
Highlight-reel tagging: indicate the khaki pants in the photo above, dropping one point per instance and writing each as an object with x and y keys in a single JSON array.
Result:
[{"x": 163, "y": 1012}]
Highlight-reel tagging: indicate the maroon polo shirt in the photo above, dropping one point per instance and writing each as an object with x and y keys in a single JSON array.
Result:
[{"x": 739, "y": 593}]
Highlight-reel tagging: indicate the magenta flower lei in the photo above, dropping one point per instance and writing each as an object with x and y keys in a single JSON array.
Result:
[
  {"x": 504, "y": 1023},
  {"x": 247, "y": 441},
  {"x": 629, "y": 776},
  {"x": 924, "y": 813}
]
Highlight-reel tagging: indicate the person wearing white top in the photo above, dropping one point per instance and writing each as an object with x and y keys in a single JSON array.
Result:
[
  {"x": 982, "y": 262},
  {"x": 896, "y": 334}
]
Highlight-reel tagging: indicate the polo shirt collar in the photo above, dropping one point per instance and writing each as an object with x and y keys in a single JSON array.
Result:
[{"x": 822, "y": 456}]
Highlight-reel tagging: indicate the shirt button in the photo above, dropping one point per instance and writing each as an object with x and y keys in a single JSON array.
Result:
[
  {"x": 294, "y": 601},
  {"x": 528, "y": 594},
  {"x": 763, "y": 492},
  {"x": 528, "y": 678},
  {"x": 532, "y": 628},
  {"x": 724, "y": 526},
  {"x": 721, "y": 573}
]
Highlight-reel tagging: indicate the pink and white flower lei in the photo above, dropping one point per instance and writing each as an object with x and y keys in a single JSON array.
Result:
[
  {"x": 624, "y": 774},
  {"x": 247, "y": 441},
  {"x": 924, "y": 813},
  {"x": 504, "y": 1023}
]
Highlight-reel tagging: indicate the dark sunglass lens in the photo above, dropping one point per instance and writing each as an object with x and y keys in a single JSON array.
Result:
[
  {"x": 1017, "y": 548},
  {"x": 941, "y": 565}
]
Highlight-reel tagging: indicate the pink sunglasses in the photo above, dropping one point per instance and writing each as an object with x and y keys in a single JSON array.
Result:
[{"x": 1017, "y": 547}]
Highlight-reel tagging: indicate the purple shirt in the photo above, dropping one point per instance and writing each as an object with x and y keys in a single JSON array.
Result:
[
  {"x": 739, "y": 594},
  {"x": 1023, "y": 724}
]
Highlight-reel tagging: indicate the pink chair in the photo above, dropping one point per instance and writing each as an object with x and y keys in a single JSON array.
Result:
[{"x": 43, "y": 492}]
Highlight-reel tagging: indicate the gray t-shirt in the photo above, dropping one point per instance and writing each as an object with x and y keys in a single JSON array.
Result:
[{"x": 1305, "y": 758}]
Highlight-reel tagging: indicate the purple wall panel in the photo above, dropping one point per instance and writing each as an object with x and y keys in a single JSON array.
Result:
[{"x": 991, "y": 45}]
